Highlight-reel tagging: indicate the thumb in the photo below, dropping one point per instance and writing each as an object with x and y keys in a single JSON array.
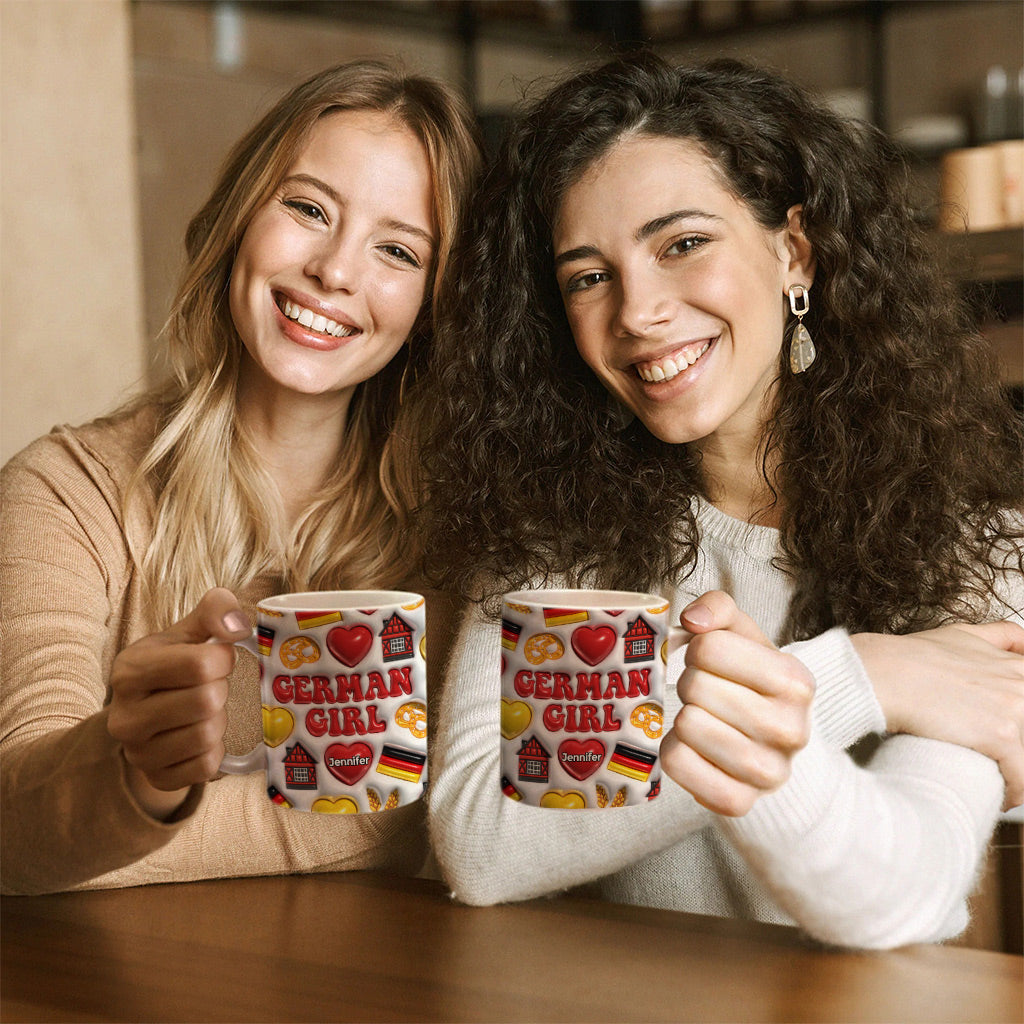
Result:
[
  {"x": 218, "y": 616},
  {"x": 717, "y": 610}
]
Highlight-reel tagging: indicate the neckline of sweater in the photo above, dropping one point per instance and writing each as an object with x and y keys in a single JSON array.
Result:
[{"x": 753, "y": 540}]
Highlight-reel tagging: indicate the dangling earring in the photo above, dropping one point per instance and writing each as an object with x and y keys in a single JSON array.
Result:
[{"x": 801, "y": 350}]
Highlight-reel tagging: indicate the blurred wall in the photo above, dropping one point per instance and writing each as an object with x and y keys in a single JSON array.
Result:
[
  {"x": 117, "y": 114},
  {"x": 71, "y": 342}
]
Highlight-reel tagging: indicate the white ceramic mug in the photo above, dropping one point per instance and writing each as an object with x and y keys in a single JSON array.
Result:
[
  {"x": 343, "y": 683},
  {"x": 582, "y": 696}
]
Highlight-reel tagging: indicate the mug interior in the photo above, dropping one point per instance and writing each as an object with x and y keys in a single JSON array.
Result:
[
  {"x": 331, "y": 600},
  {"x": 586, "y": 598}
]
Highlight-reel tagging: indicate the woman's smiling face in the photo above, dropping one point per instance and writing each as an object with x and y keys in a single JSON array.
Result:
[
  {"x": 673, "y": 290},
  {"x": 332, "y": 270}
]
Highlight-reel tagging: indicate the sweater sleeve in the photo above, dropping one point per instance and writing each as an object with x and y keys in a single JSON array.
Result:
[
  {"x": 492, "y": 849},
  {"x": 67, "y": 812},
  {"x": 69, "y": 819},
  {"x": 879, "y": 856},
  {"x": 845, "y": 707}
]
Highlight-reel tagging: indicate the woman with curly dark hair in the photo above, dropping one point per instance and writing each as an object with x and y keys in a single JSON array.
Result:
[{"x": 700, "y": 347}]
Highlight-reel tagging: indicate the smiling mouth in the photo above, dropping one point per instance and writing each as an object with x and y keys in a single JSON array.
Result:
[
  {"x": 659, "y": 370},
  {"x": 314, "y": 321}
]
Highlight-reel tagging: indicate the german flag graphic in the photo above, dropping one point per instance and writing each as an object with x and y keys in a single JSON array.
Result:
[
  {"x": 308, "y": 620},
  {"x": 632, "y": 762},
  {"x": 278, "y": 797},
  {"x": 510, "y": 634},
  {"x": 265, "y": 640},
  {"x": 400, "y": 763},
  {"x": 509, "y": 790},
  {"x": 564, "y": 616}
]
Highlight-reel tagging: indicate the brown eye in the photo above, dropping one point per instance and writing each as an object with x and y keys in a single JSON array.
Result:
[
  {"x": 399, "y": 253},
  {"x": 586, "y": 281},
  {"x": 308, "y": 210},
  {"x": 682, "y": 246}
]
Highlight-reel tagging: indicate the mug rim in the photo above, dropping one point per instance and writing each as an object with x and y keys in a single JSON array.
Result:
[
  {"x": 338, "y": 600},
  {"x": 584, "y": 598}
]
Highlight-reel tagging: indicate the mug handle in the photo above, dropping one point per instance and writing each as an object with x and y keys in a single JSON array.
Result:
[
  {"x": 255, "y": 759},
  {"x": 678, "y": 637}
]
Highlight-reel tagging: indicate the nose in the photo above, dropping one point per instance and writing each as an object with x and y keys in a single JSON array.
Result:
[
  {"x": 644, "y": 304},
  {"x": 337, "y": 264}
]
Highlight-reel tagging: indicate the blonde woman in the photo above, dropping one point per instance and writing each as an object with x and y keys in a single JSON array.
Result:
[{"x": 272, "y": 460}]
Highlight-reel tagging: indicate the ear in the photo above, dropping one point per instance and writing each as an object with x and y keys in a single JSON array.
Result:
[{"x": 798, "y": 246}]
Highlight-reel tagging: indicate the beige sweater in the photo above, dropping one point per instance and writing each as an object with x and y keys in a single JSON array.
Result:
[{"x": 70, "y": 600}]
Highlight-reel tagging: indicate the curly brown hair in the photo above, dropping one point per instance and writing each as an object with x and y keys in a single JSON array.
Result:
[{"x": 898, "y": 457}]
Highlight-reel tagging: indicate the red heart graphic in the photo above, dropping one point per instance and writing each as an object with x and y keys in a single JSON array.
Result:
[
  {"x": 349, "y": 644},
  {"x": 581, "y": 758},
  {"x": 593, "y": 643},
  {"x": 348, "y": 761}
]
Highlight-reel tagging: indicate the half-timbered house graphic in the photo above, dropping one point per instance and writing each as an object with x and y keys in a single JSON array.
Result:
[
  {"x": 396, "y": 639},
  {"x": 299, "y": 768},
  {"x": 638, "y": 642},
  {"x": 533, "y": 761}
]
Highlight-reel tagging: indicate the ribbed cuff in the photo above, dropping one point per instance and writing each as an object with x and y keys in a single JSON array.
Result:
[{"x": 845, "y": 706}]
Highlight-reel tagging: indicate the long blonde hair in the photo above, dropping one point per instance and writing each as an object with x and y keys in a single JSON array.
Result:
[{"x": 217, "y": 516}]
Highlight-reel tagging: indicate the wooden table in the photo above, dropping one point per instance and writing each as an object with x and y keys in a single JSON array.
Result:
[{"x": 367, "y": 947}]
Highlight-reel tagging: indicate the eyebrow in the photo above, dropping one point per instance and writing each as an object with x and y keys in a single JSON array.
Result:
[
  {"x": 652, "y": 227},
  {"x": 642, "y": 234},
  {"x": 336, "y": 198}
]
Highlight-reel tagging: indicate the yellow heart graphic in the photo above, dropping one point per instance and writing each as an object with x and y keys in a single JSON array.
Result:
[
  {"x": 338, "y": 805},
  {"x": 563, "y": 798},
  {"x": 277, "y": 725},
  {"x": 516, "y": 715}
]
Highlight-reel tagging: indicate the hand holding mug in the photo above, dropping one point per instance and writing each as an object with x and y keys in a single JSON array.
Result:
[
  {"x": 168, "y": 696},
  {"x": 746, "y": 710}
]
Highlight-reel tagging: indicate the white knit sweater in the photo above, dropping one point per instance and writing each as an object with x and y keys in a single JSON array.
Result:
[{"x": 873, "y": 857}]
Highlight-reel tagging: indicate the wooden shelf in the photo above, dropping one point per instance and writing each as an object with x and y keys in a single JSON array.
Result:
[{"x": 987, "y": 257}]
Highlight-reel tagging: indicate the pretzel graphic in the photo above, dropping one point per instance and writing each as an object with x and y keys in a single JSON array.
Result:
[
  {"x": 647, "y": 717},
  {"x": 299, "y": 650},
  {"x": 413, "y": 716},
  {"x": 543, "y": 647}
]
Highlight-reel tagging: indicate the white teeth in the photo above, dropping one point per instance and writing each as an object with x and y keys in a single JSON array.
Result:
[
  {"x": 667, "y": 367},
  {"x": 314, "y": 321}
]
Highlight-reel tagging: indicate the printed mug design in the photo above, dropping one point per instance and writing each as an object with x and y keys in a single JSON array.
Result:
[
  {"x": 582, "y": 698},
  {"x": 344, "y": 700}
]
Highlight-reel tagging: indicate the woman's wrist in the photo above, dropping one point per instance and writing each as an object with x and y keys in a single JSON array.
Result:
[{"x": 874, "y": 651}]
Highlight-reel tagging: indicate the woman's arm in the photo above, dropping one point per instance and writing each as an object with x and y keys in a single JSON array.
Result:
[
  {"x": 873, "y": 857},
  {"x": 880, "y": 856},
  {"x": 68, "y": 811},
  {"x": 70, "y": 815},
  {"x": 493, "y": 849},
  {"x": 961, "y": 683}
]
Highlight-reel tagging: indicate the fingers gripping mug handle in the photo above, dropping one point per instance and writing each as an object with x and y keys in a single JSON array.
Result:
[{"x": 255, "y": 759}]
